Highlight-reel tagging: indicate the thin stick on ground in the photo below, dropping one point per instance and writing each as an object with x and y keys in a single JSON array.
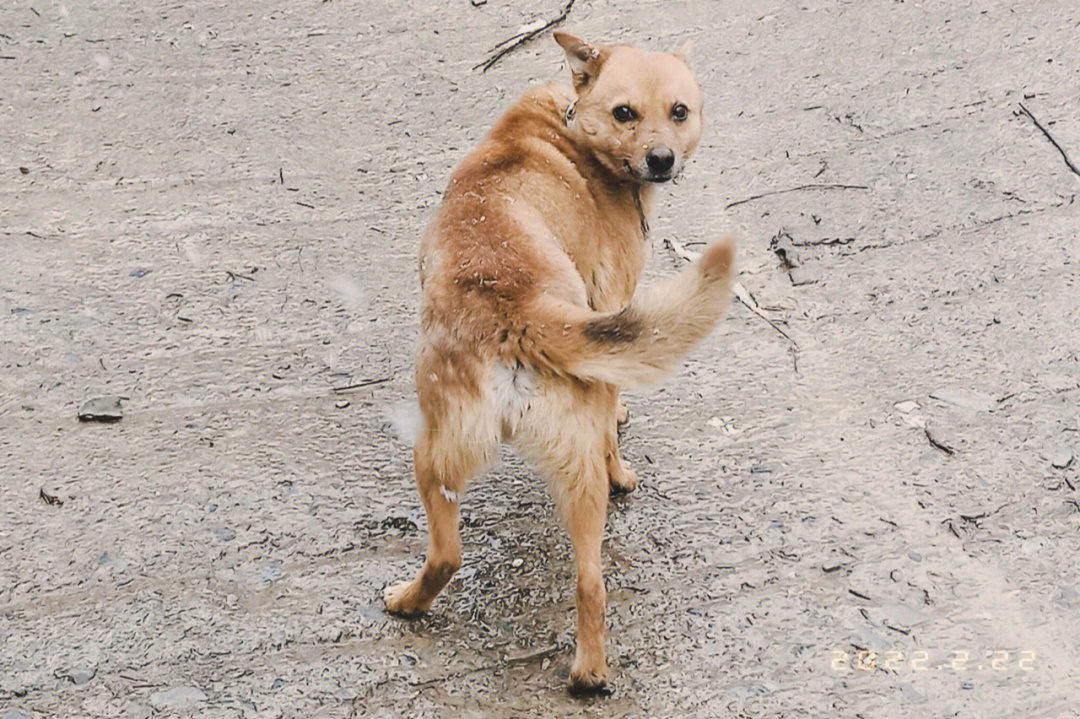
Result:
[
  {"x": 513, "y": 43},
  {"x": 362, "y": 383},
  {"x": 747, "y": 301},
  {"x": 800, "y": 188},
  {"x": 938, "y": 444},
  {"x": 1050, "y": 137}
]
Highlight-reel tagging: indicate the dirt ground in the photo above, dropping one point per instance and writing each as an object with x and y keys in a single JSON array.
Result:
[{"x": 212, "y": 209}]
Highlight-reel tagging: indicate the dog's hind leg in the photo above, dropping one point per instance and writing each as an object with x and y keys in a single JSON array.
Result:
[
  {"x": 568, "y": 434},
  {"x": 585, "y": 509},
  {"x": 441, "y": 473}
]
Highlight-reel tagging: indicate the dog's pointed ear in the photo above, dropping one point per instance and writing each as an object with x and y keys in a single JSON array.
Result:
[
  {"x": 683, "y": 53},
  {"x": 585, "y": 59}
]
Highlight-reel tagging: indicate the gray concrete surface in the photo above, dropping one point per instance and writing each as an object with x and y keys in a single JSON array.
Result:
[{"x": 212, "y": 209}]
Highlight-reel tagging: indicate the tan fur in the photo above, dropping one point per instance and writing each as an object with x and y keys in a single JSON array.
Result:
[{"x": 530, "y": 321}]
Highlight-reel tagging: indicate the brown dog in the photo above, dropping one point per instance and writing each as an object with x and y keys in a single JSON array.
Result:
[{"x": 529, "y": 320}]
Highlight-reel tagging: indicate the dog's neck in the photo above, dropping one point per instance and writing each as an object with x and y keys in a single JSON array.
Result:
[{"x": 636, "y": 189}]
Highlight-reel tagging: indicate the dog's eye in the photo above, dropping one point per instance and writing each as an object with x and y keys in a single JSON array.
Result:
[
  {"x": 624, "y": 113},
  {"x": 679, "y": 112}
]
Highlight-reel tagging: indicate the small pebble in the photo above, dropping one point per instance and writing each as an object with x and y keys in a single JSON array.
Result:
[
  {"x": 1061, "y": 457},
  {"x": 79, "y": 677},
  {"x": 270, "y": 573},
  {"x": 101, "y": 409},
  {"x": 177, "y": 699},
  {"x": 784, "y": 247},
  {"x": 724, "y": 425},
  {"x": 803, "y": 276}
]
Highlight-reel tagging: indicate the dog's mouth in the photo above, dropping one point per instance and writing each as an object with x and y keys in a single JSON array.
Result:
[{"x": 647, "y": 176}]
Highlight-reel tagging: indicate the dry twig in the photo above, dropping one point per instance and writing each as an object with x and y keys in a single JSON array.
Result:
[
  {"x": 938, "y": 444},
  {"x": 363, "y": 383},
  {"x": 1050, "y": 137},
  {"x": 800, "y": 188},
  {"x": 527, "y": 33}
]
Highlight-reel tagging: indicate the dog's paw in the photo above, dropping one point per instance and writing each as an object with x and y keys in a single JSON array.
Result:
[
  {"x": 622, "y": 413},
  {"x": 589, "y": 681},
  {"x": 401, "y": 599},
  {"x": 620, "y": 476}
]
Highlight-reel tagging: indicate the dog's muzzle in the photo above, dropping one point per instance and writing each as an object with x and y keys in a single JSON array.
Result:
[
  {"x": 659, "y": 166},
  {"x": 660, "y": 161}
]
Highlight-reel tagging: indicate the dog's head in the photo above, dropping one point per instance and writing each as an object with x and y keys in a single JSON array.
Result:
[{"x": 639, "y": 112}]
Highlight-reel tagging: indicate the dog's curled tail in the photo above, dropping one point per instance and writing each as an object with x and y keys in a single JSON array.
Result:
[{"x": 645, "y": 340}]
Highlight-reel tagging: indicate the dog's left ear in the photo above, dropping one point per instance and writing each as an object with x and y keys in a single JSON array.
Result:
[
  {"x": 585, "y": 59},
  {"x": 683, "y": 53}
]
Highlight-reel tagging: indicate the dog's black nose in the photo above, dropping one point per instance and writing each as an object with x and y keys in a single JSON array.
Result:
[{"x": 660, "y": 161}]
